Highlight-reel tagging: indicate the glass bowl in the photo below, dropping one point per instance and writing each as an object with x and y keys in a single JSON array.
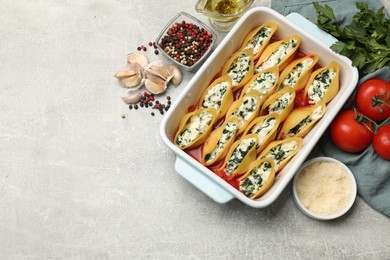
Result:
[
  {"x": 223, "y": 14},
  {"x": 347, "y": 204},
  {"x": 180, "y": 39}
]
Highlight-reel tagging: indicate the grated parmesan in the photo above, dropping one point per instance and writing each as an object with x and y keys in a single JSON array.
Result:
[{"x": 324, "y": 188}]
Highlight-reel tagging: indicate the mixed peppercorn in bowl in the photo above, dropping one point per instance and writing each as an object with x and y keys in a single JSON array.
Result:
[{"x": 186, "y": 41}]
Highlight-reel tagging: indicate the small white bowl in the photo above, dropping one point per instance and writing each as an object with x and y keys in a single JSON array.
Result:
[{"x": 331, "y": 216}]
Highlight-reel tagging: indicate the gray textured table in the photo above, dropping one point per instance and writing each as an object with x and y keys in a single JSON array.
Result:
[{"x": 79, "y": 182}]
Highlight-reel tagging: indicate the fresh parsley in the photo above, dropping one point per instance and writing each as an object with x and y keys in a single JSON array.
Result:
[{"x": 366, "y": 41}]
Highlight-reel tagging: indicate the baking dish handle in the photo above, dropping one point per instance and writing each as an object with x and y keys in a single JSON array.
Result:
[
  {"x": 202, "y": 182},
  {"x": 308, "y": 26}
]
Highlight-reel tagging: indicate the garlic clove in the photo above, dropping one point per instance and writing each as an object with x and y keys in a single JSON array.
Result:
[
  {"x": 176, "y": 73},
  {"x": 133, "y": 82},
  {"x": 152, "y": 74},
  {"x": 156, "y": 86},
  {"x": 132, "y": 99},
  {"x": 162, "y": 70},
  {"x": 125, "y": 74},
  {"x": 137, "y": 58}
]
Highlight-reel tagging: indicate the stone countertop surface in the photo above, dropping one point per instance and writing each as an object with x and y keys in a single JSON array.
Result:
[{"x": 77, "y": 181}]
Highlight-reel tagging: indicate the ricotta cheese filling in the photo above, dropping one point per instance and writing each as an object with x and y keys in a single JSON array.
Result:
[
  {"x": 256, "y": 179},
  {"x": 280, "y": 152},
  {"x": 320, "y": 85},
  {"x": 239, "y": 69},
  {"x": 278, "y": 55},
  {"x": 258, "y": 40},
  {"x": 239, "y": 154},
  {"x": 263, "y": 83},
  {"x": 196, "y": 126},
  {"x": 292, "y": 77},
  {"x": 281, "y": 103},
  {"x": 228, "y": 132},
  {"x": 215, "y": 95},
  {"x": 314, "y": 116},
  {"x": 263, "y": 129},
  {"x": 245, "y": 110}
]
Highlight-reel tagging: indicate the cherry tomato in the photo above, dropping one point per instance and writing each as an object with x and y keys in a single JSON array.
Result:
[
  {"x": 382, "y": 142},
  {"x": 348, "y": 134},
  {"x": 373, "y": 99}
]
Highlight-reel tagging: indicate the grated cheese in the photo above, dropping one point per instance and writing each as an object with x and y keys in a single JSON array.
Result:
[{"x": 324, "y": 188}]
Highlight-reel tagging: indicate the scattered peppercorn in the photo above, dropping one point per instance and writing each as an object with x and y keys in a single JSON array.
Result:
[
  {"x": 148, "y": 100},
  {"x": 123, "y": 116},
  {"x": 156, "y": 52},
  {"x": 138, "y": 48}
]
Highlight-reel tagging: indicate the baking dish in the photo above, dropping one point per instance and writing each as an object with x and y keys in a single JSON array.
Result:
[{"x": 313, "y": 41}]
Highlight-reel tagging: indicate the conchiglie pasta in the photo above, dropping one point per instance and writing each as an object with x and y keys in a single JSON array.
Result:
[
  {"x": 218, "y": 95},
  {"x": 301, "y": 120},
  {"x": 240, "y": 155},
  {"x": 263, "y": 82},
  {"x": 297, "y": 73},
  {"x": 240, "y": 68},
  {"x": 195, "y": 127},
  {"x": 245, "y": 109},
  {"x": 219, "y": 141},
  {"x": 281, "y": 102},
  {"x": 323, "y": 84},
  {"x": 258, "y": 179},
  {"x": 258, "y": 39},
  {"x": 266, "y": 129},
  {"x": 282, "y": 151},
  {"x": 278, "y": 54}
]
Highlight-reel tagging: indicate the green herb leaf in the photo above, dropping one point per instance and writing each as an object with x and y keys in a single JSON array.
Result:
[{"x": 366, "y": 41}]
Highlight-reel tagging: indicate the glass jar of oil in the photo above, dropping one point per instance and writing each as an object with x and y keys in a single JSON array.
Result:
[{"x": 223, "y": 13}]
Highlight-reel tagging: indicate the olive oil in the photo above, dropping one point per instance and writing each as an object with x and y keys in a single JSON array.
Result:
[{"x": 225, "y": 6}]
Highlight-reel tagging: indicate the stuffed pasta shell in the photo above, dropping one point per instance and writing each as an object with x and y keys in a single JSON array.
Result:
[
  {"x": 219, "y": 141},
  {"x": 282, "y": 151},
  {"x": 297, "y": 73},
  {"x": 240, "y": 68},
  {"x": 323, "y": 84},
  {"x": 218, "y": 95},
  {"x": 245, "y": 109},
  {"x": 258, "y": 179},
  {"x": 194, "y": 127},
  {"x": 278, "y": 54},
  {"x": 281, "y": 102},
  {"x": 263, "y": 82},
  {"x": 266, "y": 129},
  {"x": 240, "y": 155},
  {"x": 258, "y": 39},
  {"x": 301, "y": 120}
]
